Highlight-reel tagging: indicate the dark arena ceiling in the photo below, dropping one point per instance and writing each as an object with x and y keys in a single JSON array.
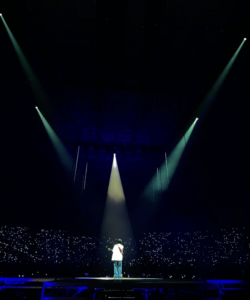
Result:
[{"x": 124, "y": 76}]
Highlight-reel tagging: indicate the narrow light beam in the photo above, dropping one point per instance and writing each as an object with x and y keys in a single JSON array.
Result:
[
  {"x": 196, "y": 120},
  {"x": 168, "y": 168},
  {"x": 85, "y": 175},
  {"x": 84, "y": 179},
  {"x": 35, "y": 85},
  {"x": 60, "y": 149},
  {"x": 211, "y": 95},
  {"x": 114, "y": 161},
  {"x": 76, "y": 162}
]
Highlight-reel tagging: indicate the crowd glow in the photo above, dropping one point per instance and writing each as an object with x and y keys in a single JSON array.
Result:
[
  {"x": 35, "y": 85},
  {"x": 60, "y": 149},
  {"x": 116, "y": 222},
  {"x": 167, "y": 171},
  {"x": 189, "y": 249}
]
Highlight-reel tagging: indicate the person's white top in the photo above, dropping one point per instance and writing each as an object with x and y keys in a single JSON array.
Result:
[{"x": 117, "y": 253}]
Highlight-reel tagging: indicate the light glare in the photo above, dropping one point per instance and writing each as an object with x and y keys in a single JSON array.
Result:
[
  {"x": 196, "y": 120},
  {"x": 114, "y": 161}
]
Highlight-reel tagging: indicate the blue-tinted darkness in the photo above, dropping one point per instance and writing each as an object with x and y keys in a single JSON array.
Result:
[
  {"x": 138, "y": 93},
  {"x": 209, "y": 188}
]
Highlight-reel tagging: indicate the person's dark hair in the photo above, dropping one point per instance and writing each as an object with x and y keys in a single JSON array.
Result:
[{"x": 119, "y": 241}]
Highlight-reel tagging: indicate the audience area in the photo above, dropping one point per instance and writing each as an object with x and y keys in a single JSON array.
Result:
[{"x": 186, "y": 255}]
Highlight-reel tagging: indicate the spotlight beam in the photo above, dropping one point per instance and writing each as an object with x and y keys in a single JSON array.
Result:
[
  {"x": 35, "y": 85},
  {"x": 211, "y": 95},
  {"x": 168, "y": 169},
  {"x": 116, "y": 222},
  {"x": 60, "y": 149}
]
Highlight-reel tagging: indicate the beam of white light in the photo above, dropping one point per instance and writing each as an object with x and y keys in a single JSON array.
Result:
[
  {"x": 59, "y": 147},
  {"x": 211, "y": 95},
  {"x": 115, "y": 189},
  {"x": 116, "y": 222},
  {"x": 114, "y": 161},
  {"x": 76, "y": 162}
]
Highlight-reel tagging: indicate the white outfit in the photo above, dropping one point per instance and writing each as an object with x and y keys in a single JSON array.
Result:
[{"x": 117, "y": 256}]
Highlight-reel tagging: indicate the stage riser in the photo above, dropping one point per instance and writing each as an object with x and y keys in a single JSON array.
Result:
[{"x": 93, "y": 288}]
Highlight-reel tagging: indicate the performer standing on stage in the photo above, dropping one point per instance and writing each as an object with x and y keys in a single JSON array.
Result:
[{"x": 117, "y": 258}]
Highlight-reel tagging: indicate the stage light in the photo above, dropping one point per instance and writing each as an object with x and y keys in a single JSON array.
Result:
[
  {"x": 40, "y": 94},
  {"x": 196, "y": 120},
  {"x": 164, "y": 174},
  {"x": 245, "y": 39},
  {"x": 116, "y": 222},
  {"x": 212, "y": 93},
  {"x": 60, "y": 149},
  {"x": 36, "y": 107},
  {"x": 114, "y": 161}
]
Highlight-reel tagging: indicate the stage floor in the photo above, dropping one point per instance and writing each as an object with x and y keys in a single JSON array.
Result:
[
  {"x": 97, "y": 285},
  {"x": 123, "y": 278},
  {"x": 107, "y": 282}
]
